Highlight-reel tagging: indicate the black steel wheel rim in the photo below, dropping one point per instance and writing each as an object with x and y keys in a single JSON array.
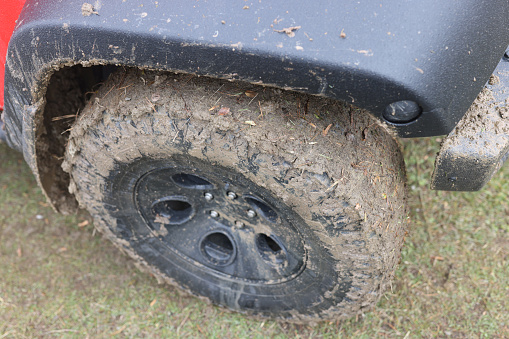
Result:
[{"x": 221, "y": 224}]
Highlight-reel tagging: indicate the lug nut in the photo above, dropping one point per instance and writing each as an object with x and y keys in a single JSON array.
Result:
[
  {"x": 208, "y": 196},
  {"x": 232, "y": 195},
  {"x": 251, "y": 213},
  {"x": 239, "y": 224},
  {"x": 214, "y": 214}
]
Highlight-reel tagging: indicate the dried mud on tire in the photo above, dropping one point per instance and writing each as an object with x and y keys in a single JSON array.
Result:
[{"x": 332, "y": 164}]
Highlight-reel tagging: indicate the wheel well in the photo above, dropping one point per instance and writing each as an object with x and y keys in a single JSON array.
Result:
[{"x": 67, "y": 93}]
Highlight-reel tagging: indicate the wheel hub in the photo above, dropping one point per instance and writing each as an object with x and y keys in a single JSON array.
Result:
[{"x": 224, "y": 226}]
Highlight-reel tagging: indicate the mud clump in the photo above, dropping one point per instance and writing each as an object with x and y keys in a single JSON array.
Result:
[{"x": 88, "y": 9}]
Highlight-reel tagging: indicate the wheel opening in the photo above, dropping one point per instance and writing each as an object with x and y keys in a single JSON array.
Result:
[
  {"x": 271, "y": 250},
  {"x": 218, "y": 248},
  {"x": 267, "y": 244},
  {"x": 263, "y": 209},
  {"x": 177, "y": 211},
  {"x": 191, "y": 181}
]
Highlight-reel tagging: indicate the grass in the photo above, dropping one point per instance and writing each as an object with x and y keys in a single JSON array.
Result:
[{"x": 60, "y": 279}]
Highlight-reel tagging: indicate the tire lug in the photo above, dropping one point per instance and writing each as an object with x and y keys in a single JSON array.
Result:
[
  {"x": 239, "y": 224},
  {"x": 214, "y": 214},
  {"x": 208, "y": 196},
  {"x": 232, "y": 195},
  {"x": 251, "y": 213}
]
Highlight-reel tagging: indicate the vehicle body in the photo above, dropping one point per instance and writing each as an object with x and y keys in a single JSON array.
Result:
[{"x": 416, "y": 66}]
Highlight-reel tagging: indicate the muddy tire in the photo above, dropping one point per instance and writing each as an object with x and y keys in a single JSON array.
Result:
[{"x": 266, "y": 202}]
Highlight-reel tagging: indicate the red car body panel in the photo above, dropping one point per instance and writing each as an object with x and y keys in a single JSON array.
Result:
[{"x": 9, "y": 13}]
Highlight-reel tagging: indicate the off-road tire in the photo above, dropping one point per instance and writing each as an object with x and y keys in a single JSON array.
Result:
[{"x": 326, "y": 170}]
